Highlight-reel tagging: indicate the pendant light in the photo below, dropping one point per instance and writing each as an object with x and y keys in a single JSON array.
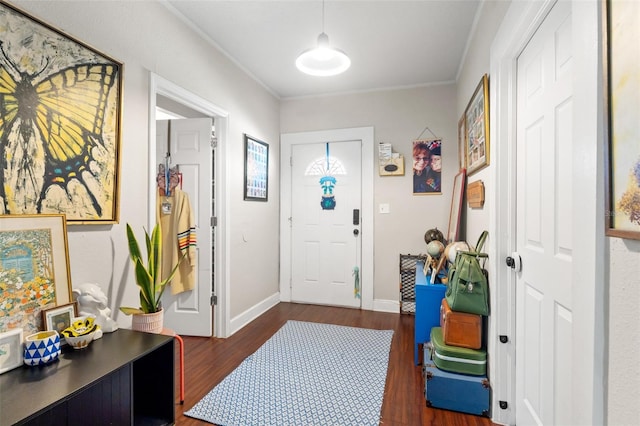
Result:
[{"x": 323, "y": 60}]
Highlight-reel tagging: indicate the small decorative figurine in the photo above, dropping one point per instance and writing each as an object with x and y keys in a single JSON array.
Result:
[{"x": 93, "y": 302}]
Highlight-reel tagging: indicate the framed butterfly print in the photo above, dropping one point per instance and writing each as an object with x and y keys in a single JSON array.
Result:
[{"x": 60, "y": 119}]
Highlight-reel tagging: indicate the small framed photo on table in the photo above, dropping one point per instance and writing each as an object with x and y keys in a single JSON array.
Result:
[
  {"x": 60, "y": 317},
  {"x": 10, "y": 349}
]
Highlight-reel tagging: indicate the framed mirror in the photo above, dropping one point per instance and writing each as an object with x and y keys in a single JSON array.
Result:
[{"x": 456, "y": 206}]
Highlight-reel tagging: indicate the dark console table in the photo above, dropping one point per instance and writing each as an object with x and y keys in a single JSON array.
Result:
[{"x": 126, "y": 377}]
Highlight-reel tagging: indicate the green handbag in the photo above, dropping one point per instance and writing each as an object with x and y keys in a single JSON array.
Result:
[{"x": 467, "y": 287}]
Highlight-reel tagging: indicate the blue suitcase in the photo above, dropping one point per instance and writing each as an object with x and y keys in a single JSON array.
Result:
[{"x": 457, "y": 392}]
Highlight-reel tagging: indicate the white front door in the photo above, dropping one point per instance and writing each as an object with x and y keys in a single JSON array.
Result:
[
  {"x": 190, "y": 312},
  {"x": 325, "y": 223},
  {"x": 544, "y": 308}
]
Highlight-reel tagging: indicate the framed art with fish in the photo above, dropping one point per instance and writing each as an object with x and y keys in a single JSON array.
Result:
[{"x": 60, "y": 119}]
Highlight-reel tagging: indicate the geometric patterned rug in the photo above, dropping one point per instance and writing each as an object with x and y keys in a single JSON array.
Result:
[{"x": 305, "y": 374}]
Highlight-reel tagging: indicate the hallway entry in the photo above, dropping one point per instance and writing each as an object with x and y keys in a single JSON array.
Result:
[{"x": 326, "y": 217}]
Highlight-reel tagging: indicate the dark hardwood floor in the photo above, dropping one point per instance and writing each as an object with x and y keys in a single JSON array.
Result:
[{"x": 209, "y": 360}]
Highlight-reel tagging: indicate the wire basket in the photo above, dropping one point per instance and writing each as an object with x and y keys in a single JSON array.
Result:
[{"x": 408, "y": 282}]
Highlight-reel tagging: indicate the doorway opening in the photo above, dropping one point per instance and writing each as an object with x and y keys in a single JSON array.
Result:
[{"x": 180, "y": 104}]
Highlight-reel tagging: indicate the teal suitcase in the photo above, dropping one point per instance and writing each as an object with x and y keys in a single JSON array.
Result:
[
  {"x": 457, "y": 392},
  {"x": 455, "y": 358}
]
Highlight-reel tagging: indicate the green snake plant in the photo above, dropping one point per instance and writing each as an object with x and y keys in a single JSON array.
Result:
[{"x": 148, "y": 271}]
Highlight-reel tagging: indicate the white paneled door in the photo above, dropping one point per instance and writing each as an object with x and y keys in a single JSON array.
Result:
[
  {"x": 544, "y": 317},
  {"x": 190, "y": 312},
  {"x": 325, "y": 223}
]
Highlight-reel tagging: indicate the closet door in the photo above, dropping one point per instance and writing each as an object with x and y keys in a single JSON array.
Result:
[{"x": 188, "y": 142}]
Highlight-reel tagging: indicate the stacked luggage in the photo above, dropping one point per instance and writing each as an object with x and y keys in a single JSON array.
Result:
[{"x": 455, "y": 360}]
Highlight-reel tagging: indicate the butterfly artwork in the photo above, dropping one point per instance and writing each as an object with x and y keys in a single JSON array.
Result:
[{"x": 59, "y": 123}]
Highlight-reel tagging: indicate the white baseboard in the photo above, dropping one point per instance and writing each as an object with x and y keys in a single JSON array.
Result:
[
  {"x": 253, "y": 312},
  {"x": 238, "y": 322},
  {"x": 381, "y": 305}
]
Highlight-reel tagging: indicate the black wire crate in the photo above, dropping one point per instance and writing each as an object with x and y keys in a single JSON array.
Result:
[{"x": 408, "y": 282}]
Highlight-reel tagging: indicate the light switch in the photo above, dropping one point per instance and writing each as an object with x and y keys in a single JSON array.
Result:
[{"x": 384, "y": 208}]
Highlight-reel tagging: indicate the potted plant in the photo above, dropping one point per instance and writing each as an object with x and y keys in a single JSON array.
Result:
[{"x": 148, "y": 272}]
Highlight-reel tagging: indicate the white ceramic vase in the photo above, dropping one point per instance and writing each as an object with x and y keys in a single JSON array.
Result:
[{"x": 149, "y": 323}]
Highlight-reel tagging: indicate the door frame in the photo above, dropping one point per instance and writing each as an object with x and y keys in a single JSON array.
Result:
[
  {"x": 364, "y": 134},
  {"x": 588, "y": 347},
  {"x": 161, "y": 86}
]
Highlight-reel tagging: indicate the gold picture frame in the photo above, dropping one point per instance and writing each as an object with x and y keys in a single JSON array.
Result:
[
  {"x": 622, "y": 97},
  {"x": 61, "y": 106},
  {"x": 477, "y": 128},
  {"x": 34, "y": 269}
]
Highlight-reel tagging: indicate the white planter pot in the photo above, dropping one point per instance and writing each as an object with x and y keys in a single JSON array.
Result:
[{"x": 149, "y": 323}]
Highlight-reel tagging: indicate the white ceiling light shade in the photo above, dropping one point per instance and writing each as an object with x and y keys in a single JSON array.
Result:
[{"x": 323, "y": 60}]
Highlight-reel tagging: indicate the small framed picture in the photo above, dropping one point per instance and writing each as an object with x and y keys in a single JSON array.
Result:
[
  {"x": 256, "y": 169},
  {"x": 10, "y": 349},
  {"x": 60, "y": 317}
]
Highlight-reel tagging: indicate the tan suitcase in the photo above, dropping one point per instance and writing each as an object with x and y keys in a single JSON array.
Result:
[{"x": 460, "y": 328}]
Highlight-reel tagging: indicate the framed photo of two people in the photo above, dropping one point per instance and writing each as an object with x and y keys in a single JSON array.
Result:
[{"x": 427, "y": 166}]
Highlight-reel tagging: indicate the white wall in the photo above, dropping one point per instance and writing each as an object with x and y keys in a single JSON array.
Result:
[
  {"x": 623, "y": 327},
  {"x": 475, "y": 65},
  {"x": 146, "y": 37},
  {"x": 398, "y": 117}
]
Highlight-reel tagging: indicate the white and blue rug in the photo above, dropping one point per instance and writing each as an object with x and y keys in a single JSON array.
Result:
[{"x": 305, "y": 374}]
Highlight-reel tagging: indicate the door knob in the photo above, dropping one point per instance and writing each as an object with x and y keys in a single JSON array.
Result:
[
  {"x": 514, "y": 261},
  {"x": 356, "y": 232}
]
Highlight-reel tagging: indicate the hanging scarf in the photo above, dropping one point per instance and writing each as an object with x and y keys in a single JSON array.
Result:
[{"x": 356, "y": 282}]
